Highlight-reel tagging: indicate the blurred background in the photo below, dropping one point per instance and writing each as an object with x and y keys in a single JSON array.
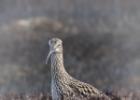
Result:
[{"x": 101, "y": 42}]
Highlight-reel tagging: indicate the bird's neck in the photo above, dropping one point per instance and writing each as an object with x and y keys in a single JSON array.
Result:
[{"x": 58, "y": 71}]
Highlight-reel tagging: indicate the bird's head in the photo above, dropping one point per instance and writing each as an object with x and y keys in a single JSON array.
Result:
[{"x": 55, "y": 46}]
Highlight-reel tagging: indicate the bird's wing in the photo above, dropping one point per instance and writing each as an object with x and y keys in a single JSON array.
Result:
[{"x": 85, "y": 89}]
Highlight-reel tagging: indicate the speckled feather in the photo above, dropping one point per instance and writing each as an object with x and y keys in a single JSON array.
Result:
[{"x": 65, "y": 87}]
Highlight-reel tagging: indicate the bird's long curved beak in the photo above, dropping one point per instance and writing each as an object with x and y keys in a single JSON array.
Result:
[{"x": 49, "y": 54}]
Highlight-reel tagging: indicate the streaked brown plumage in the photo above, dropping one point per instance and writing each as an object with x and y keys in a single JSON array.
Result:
[{"x": 63, "y": 86}]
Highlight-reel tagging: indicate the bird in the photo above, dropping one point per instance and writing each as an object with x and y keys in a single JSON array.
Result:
[{"x": 63, "y": 85}]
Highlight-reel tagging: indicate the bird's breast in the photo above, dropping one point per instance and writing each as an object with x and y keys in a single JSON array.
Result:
[{"x": 55, "y": 91}]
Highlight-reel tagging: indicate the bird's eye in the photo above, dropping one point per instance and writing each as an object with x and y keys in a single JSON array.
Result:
[{"x": 55, "y": 42}]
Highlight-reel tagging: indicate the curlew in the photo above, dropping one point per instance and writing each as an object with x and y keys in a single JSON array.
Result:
[{"x": 64, "y": 86}]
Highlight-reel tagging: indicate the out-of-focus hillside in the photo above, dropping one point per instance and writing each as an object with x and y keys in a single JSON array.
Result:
[{"x": 101, "y": 42}]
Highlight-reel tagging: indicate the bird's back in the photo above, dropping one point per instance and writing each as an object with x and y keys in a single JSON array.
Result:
[
  {"x": 76, "y": 90},
  {"x": 86, "y": 91}
]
